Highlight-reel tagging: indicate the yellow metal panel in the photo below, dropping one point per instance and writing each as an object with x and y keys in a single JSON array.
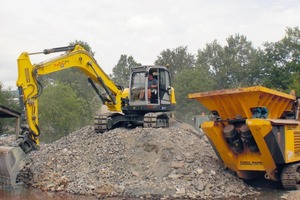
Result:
[
  {"x": 248, "y": 161},
  {"x": 238, "y": 102},
  {"x": 241, "y": 163},
  {"x": 292, "y": 143},
  {"x": 215, "y": 134},
  {"x": 259, "y": 129}
]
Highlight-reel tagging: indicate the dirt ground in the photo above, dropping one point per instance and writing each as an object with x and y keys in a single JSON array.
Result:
[{"x": 292, "y": 195}]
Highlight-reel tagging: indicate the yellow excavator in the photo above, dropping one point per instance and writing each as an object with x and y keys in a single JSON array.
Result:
[
  {"x": 125, "y": 106},
  {"x": 255, "y": 131}
]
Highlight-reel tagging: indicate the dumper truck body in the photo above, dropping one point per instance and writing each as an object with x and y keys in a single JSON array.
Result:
[{"x": 254, "y": 131}]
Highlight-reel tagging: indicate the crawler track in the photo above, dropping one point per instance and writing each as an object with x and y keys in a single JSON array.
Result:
[
  {"x": 156, "y": 120},
  {"x": 290, "y": 176},
  {"x": 100, "y": 123},
  {"x": 107, "y": 121}
]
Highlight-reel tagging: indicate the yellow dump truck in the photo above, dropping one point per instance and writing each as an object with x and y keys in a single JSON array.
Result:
[{"x": 254, "y": 131}]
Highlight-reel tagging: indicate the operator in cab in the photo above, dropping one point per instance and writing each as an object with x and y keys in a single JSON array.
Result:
[{"x": 152, "y": 83}]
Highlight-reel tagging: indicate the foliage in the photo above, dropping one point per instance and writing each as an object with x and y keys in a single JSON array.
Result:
[
  {"x": 74, "y": 82},
  {"x": 191, "y": 80},
  {"x": 243, "y": 61},
  {"x": 121, "y": 72},
  {"x": 62, "y": 112},
  {"x": 6, "y": 97},
  {"x": 85, "y": 45},
  {"x": 237, "y": 64},
  {"x": 178, "y": 59},
  {"x": 282, "y": 62},
  {"x": 186, "y": 78},
  {"x": 73, "y": 77},
  {"x": 211, "y": 58}
]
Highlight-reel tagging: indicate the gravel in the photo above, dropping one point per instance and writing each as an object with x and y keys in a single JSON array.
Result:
[{"x": 175, "y": 162}]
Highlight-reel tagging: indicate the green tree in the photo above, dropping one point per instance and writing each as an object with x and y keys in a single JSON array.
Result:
[
  {"x": 121, "y": 72},
  {"x": 6, "y": 99},
  {"x": 183, "y": 76},
  {"x": 237, "y": 64},
  {"x": 84, "y": 44},
  {"x": 61, "y": 111},
  {"x": 211, "y": 58},
  {"x": 282, "y": 62},
  {"x": 73, "y": 77},
  {"x": 191, "y": 80},
  {"x": 178, "y": 59},
  {"x": 243, "y": 62},
  {"x": 73, "y": 83},
  {"x": 67, "y": 76}
]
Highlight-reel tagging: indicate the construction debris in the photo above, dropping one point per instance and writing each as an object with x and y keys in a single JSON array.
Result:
[{"x": 142, "y": 162}]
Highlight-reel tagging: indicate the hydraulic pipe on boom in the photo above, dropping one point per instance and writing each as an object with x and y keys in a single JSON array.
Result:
[{"x": 30, "y": 88}]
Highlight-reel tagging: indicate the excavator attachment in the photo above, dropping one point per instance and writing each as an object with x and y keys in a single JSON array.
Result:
[
  {"x": 12, "y": 157},
  {"x": 12, "y": 160}
]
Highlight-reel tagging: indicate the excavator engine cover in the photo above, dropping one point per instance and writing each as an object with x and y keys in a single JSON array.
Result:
[{"x": 12, "y": 160}]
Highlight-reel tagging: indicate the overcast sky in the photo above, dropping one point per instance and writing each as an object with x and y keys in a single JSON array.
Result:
[{"x": 141, "y": 28}]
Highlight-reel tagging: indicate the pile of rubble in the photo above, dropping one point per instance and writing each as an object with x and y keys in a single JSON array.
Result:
[
  {"x": 141, "y": 162},
  {"x": 7, "y": 139}
]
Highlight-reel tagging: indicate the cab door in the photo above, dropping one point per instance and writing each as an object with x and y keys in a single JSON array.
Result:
[{"x": 164, "y": 86}]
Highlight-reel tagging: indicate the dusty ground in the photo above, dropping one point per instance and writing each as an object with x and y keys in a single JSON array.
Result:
[
  {"x": 146, "y": 163},
  {"x": 291, "y": 195}
]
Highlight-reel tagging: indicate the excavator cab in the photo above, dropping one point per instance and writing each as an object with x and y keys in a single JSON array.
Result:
[
  {"x": 150, "y": 85},
  {"x": 149, "y": 103}
]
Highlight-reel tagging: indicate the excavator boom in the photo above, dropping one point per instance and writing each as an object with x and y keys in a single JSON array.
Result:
[
  {"x": 75, "y": 57},
  {"x": 15, "y": 156}
]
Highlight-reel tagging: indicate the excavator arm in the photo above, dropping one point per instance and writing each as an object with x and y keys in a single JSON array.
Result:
[
  {"x": 14, "y": 157},
  {"x": 30, "y": 88}
]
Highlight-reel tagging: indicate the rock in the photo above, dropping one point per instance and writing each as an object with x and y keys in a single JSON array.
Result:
[
  {"x": 199, "y": 171},
  {"x": 175, "y": 176},
  {"x": 200, "y": 186},
  {"x": 104, "y": 190},
  {"x": 135, "y": 173},
  {"x": 177, "y": 165},
  {"x": 145, "y": 163},
  {"x": 179, "y": 158},
  {"x": 180, "y": 191}
]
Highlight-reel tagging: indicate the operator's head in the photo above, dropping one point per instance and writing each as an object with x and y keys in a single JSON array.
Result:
[{"x": 150, "y": 76}]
